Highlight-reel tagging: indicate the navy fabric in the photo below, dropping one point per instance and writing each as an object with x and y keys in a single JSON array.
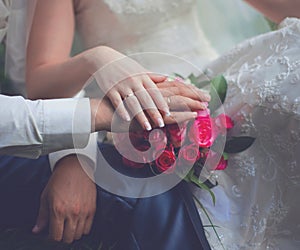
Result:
[{"x": 169, "y": 221}]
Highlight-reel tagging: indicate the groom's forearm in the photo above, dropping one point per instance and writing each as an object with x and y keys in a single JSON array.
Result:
[{"x": 277, "y": 10}]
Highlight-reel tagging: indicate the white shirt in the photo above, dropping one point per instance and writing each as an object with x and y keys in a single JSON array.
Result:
[
  {"x": 15, "y": 58},
  {"x": 33, "y": 128}
]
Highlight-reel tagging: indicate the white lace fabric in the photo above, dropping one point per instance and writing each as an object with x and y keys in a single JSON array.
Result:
[
  {"x": 145, "y": 26},
  {"x": 263, "y": 183}
]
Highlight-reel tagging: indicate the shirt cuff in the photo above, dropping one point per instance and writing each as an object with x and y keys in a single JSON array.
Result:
[
  {"x": 90, "y": 152},
  {"x": 66, "y": 124}
]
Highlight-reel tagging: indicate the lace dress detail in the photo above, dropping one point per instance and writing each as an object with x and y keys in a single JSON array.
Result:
[
  {"x": 257, "y": 196},
  {"x": 140, "y": 7},
  {"x": 263, "y": 99},
  {"x": 139, "y": 26}
]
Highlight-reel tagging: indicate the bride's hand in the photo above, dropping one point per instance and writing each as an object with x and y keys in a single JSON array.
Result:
[
  {"x": 131, "y": 89},
  {"x": 183, "y": 100},
  {"x": 122, "y": 78}
]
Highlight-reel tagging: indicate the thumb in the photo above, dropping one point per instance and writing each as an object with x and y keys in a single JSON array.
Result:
[
  {"x": 42, "y": 219},
  {"x": 157, "y": 78}
]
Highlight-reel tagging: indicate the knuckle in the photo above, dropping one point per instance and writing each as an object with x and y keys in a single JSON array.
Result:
[
  {"x": 180, "y": 91},
  {"x": 154, "y": 113},
  {"x": 59, "y": 210},
  {"x": 76, "y": 210},
  {"x": 115, "y": 102},
  {"x": 131, "y": 79},
  {"x": 174, "y": 83},
  {"x": 110, "y": 93}
]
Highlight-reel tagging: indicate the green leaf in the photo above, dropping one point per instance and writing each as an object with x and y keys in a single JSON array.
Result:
[
  {"x": 235, "y": 145},
  {"x": 178, "y": 75},
  {"x": 193, "y": 78},
  {"x": 200, "y": 184},
  {"x": 209, "y": 219},
  {"x": 225, "y": 155},
  {"x": 202, "y": 85},
  {"x": 217, "y": 92}
]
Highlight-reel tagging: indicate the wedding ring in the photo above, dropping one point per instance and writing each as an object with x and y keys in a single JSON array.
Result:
[
  {"x": 168, "y": 100},
  {"x": 129, "y": 95}
]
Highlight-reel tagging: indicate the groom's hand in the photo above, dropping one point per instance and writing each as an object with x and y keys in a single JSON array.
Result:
[{"x": 68, "y": 202}]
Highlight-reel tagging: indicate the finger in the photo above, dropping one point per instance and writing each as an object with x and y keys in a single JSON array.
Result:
[
  {"x": 79, "y": 229},
  {"x": 134, "y": 106},
  {"x": 88, "y": 224},
  {"x": 156, "y": 96},
  {"x": 157, "y": 78},
  {"x": 56, "y": 227},
  {"x": 70, "y": 230},
  {"x": 178, "y": 117},
  {"x": 42, "y": 219},
  {"x": 118, "y": 104},
  {"x": 181, "y": 103},
  {"x": 187, "y": 90},
  {"x": 149, "y": 107}
]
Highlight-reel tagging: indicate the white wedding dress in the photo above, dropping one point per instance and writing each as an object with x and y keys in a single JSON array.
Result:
[{"x": 258, "y": 194}]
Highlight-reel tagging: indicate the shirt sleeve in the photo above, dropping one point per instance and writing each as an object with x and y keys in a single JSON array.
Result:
[
  {"x": 32, "y": 128},
  {"x": 89, "y": 152}
]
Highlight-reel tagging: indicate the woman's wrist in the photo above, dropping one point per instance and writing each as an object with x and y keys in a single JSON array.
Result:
[
  {"x": 101, "y": 115},
  {"x": 97, "y": 57}
]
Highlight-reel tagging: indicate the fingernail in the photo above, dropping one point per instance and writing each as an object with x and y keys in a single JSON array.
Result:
[
  {"x": 195, "y": 114},
  {"x": 127, "y": 118},
  {"x": 161, "y": 123},
  {"x": 147, "y": 126},
  {"x": 207, "y": 97},
  {"x": 203, "y": 105},
  {"x": 168, "y": 113},
  {"x": 35, "y": 229}
]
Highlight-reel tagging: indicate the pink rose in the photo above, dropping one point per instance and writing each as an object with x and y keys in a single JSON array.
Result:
[
  {"x": 222, "y": 164},
  {"x": 189, "y": 154},
  {"x": 177, "y": 133},
  {"x": 165, "y": 159},
  {"x": 223, "y": 121},
  {"x": 203, "y": 113},
  {"x": 157, "y": 137},
  {"x": 202, "y": 131},
  {"x": 213, "y": 157}
]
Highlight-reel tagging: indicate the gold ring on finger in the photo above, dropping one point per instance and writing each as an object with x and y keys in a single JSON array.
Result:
[
  {"x": 128, "y": 95},
  {"x": 169, "y": 100}
]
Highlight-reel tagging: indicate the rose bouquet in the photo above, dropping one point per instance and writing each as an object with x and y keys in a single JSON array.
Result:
[
  {"x": 178, "y": 145},
  {"x": 186, "y": 148},
  {"x": 192, "y": 150}
]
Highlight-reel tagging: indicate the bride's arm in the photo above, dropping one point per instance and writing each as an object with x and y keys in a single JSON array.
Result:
[
  {"x": 50, "y": 71},
  {"x": 277, "y": 10}
]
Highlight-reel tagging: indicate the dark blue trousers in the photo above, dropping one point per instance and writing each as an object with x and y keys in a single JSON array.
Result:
[{"x": 169, "y": 221}]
